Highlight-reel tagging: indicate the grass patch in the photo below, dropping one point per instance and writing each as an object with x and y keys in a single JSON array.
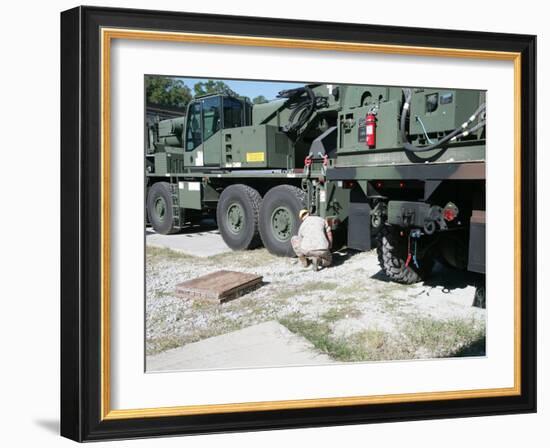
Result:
[
  {"x": 336, "y": 314},
  {"x": 352, "y": 289},
  {"x": 159, "y": 294},
  {"x": 390, "y": 303},
  {"x": 368, "y": 345},
  {"x": 317, "y": 286},
  {"x": 282, "y": 295},
  {"x": 421, "y": 338},
  {"x": 454, "y": 337},
  {"x": 377, "y": 345},
  {"x": 153, "y": 253},
  {"x": 162, "y": 344},
  {"x": 319, "y": 334},
  {"x": 248, "y": 305},
  {"x": 204, "y": 305}
]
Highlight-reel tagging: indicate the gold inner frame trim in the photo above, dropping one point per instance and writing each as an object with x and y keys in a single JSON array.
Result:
[{"x": 107, "y": 35}]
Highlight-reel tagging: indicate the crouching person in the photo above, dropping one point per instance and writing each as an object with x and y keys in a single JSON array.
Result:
[{"x": 313, "y": 241}]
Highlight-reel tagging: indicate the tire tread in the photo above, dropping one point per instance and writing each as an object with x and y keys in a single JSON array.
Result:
[
  {"x": 251, "y": 197},
  {"x": 295, "y": 193},
  {"x": 391, "y": 259},
  {"x": 163, "y": 187}
]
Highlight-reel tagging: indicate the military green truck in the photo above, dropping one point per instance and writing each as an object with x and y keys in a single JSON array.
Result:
[{"x": 403, "y": 167}]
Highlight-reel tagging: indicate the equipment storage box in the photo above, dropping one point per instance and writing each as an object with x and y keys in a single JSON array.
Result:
[
  {"x": 441, "y": 111},
  {"x": 256, "y": 147}
]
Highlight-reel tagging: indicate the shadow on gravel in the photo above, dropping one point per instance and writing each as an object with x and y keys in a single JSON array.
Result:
[
  {"x": 382, "y": 277},
  {"x": 343, "y": 255},
  {"x": 475, "y": 348},
  {"x": 443, "y": 277},
  {"x": 449, "y": 279},
  {"x": 204, "y": 226}
]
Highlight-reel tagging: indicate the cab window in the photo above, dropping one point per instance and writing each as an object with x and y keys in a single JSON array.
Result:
[
  {"x": 194, "y": 128},
  {"x": 232, "y": 113},
  {"x": 211, "y": 116}
]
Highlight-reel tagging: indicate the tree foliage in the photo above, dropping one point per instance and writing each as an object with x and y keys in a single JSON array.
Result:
[
  {"x": 167, "y": 91},
  {"x": 260, "y": 99},
  {"x": 211, "y": 86}
]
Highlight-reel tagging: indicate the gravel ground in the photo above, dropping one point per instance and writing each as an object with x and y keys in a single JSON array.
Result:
[{"x": 348, "y": 311}]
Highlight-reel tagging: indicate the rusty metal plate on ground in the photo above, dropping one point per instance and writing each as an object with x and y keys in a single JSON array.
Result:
[{"x": 219, "y": 286}]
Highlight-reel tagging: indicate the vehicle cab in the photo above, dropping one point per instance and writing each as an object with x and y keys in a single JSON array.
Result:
[{"x": 207, "y": 116}]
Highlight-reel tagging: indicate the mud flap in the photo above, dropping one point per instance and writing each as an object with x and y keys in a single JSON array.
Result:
[
  {"x": 476, "y": 250},
  {"x": 359, "y": 234}
]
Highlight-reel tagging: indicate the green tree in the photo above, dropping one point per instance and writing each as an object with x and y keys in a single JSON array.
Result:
[
  {"x": 260, "y": 99},
  {"x": 211, "y": 86},
  {"x": 167, "y": 91}
]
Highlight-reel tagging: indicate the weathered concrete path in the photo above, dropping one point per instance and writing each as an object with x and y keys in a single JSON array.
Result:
[
  {"x": 191, "y": 241},
  {"x": 268, "y": 344}
]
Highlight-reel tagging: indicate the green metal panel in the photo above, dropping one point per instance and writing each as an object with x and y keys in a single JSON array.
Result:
[
  {"x": 334, "y": 201},
  {"x": 423, "y": 171},
  {"x": 451, "y": 109},
  {"x": 258, "y": 146},
  {"x": 190, "y": 194},
  {"x": 238, "y": 142},
  {"x": 161, "y": 164},
  {"x": 260, "y": 112},
  {"x": 209, "y": 193},
  {"x": 212, "y": 150},
  {"x": 194, "y": 158},
  {"x": 170, "y": 132},
  {"x": 351, "y": 122},
  {"x": 358, "y": 96},
  {"x": 455, "y": 153},
  {"x": 407, "y": 213},
  {"x": 387, "y": 129},
  {"x": 174, "y": 160}
]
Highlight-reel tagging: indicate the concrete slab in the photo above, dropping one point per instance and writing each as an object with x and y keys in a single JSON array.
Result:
[
  {"x": 268, "y": 344},
  {"x": 192, "y": 241}
]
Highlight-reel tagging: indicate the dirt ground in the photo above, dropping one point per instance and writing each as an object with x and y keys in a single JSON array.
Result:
[{"x": 349, "y": 311}]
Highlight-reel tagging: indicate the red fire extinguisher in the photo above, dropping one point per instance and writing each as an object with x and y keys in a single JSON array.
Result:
[{"x": 370, "y": 123}]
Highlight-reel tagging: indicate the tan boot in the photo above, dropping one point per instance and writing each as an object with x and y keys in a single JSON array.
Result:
[
  {"x": 303, "y": 260},
  {"x": 315, "y": 261}
]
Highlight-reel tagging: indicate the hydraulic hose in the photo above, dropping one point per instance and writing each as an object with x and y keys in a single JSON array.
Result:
[
  {"x": 302, "y": 108},
  {"x": 469, "y": 131},
  {"x": 452, "y": 136}
]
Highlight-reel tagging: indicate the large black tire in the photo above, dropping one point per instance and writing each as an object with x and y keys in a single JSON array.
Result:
[
  {"x": 391, "y": 249},
  {"x": 160, "y": 209},
  {"x": 237, "y": 217},
  {"x": 288, "y": 201}
]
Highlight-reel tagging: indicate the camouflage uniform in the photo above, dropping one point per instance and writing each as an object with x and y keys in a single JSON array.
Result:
[{"x": 312, "y": 241}]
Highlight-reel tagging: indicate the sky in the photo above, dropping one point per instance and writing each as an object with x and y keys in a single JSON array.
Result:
[{"x": 251, "y": 89}]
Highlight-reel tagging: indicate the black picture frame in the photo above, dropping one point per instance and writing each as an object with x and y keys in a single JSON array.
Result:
[{"x": 81, "y": 204}]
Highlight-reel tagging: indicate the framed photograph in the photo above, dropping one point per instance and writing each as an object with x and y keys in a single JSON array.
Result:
[{"x": 276, "y": 224}]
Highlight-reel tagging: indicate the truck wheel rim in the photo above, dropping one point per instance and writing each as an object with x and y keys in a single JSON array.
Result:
[
  {"x": 160, "y": 208},
  {"x": 235, "y": 218},
  {"x": 281, "y": 223}
]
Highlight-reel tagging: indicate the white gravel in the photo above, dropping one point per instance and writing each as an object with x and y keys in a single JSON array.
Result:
[{"x": 352, "y": 295}]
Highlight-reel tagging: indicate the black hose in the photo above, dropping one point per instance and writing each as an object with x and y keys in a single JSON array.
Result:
[
  {"x": 471, "y": 130},
  {"x": 408, "y": 146},
  {"x": 302, "y": 108}
]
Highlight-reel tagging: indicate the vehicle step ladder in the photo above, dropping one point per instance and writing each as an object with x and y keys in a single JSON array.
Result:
[{"x": 177, "y": 220}]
